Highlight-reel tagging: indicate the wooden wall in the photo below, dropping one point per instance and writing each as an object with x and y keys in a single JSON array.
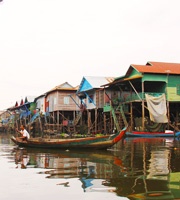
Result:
[{"x": 60, "y": 100}]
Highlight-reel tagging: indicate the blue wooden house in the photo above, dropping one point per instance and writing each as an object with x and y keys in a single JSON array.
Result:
[{"x": 92, "y": 100}]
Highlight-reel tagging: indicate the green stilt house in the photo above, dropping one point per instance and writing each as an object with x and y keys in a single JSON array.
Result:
[{"x": 156, "y": 79}]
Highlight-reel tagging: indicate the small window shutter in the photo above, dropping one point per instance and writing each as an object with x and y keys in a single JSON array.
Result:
[{"x": 178, "y": 89}]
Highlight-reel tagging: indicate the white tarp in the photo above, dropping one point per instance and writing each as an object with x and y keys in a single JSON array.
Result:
[{"x": 157, "y": 108}]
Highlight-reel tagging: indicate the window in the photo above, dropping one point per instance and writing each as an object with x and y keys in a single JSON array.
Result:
[
  {"x": 55, "y": 101},
  {"x": 91, "y": 98},
  {"x": 66, "y": 100},
  {"x": 178, "y": 89}
]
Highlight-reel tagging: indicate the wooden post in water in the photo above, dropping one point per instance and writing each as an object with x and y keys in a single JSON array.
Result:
[
  {"x": 168, "y": 113},
  {"x": 131, "y": 111},
  {"x": 53, "y": 121},
  {"x": 105, "y": 128},
  {"x": 74, "y": 118},
  {"x": 95, "y": 120},
  {"x": 89, "y": 116},
  {"x": 131, "y": 106},
  {"x": 58, "y": 120},
  {"x": 143, "y": 111},
  {"x": 112, "y": 124},
  {"x": 40, "y": 124}
]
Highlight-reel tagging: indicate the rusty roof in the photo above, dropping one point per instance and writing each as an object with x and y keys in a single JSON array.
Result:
[{"x": 158, "y": 67}]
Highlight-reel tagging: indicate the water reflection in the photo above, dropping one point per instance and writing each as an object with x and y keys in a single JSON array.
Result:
[
  {"x": 156, "y": 157},
  {"x": 142, "y": 169},
  {"x": 21, "y": 158},
  {"x": 92, "y": 169}
]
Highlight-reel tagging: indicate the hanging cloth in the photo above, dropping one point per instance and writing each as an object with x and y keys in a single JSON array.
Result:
[{"x": 157, "y": 108}]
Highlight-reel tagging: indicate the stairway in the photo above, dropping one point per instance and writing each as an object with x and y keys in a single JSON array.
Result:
[
  {"x": 123, "y": 115},
  {"x": 78, "y": 117},
  {"x": 119, "y": 117},
  {"x": 115, "y": 119}
]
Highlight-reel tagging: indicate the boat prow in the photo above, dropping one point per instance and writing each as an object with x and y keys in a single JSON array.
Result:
[
  {"x": 145, "y": 134},
  {"x": 14, "y": 139}
]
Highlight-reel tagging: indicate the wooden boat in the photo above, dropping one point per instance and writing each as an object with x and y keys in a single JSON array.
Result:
[
  {"x": 145, "y": 134},
  {"x": 102, "y": 142}
]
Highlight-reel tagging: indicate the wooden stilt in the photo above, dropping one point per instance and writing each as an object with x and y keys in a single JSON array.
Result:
[
  {"x": 112, "y": 124},
  {"x": 53, "y": 120},
  {"x": 95, "y": 120},
  {"x": 62, "y": 114},
  {"x": 49, "y": 122},
  {"x": 132, "y": 124},
  {"x": 177, "y": 114},
  {"x": 89, "y": 119},
  {"x": 58, "y": 120},
  {"x": 143, "y": 111},
  {"x": 74, "y": 118},
  {"x": 40, "y": 125},
  {"x": 168, "y": 114},
  {"x": 58, "y": 117},
  {"x": 105, "y": 128}
]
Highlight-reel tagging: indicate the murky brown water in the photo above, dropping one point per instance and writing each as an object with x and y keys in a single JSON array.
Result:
[{"x": 136, "y": 169}]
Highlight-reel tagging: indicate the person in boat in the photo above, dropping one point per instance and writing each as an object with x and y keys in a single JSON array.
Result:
[{"x": 24, "y": 133}]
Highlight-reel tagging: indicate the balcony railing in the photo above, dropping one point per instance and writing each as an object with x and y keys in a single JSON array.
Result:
[
  {"x": 135, "y": 97},
  {"x": 128, "y": 98}
]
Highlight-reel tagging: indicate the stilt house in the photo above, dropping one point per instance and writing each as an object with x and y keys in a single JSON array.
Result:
[
  {"x": 61, "y": 107},
  {"x": 93, "y": 98},
  {"x": 21, "y": 113},
  {"x": 158, "y": 80}
]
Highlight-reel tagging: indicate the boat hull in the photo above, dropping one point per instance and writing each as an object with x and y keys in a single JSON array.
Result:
[
  {"x": 103, "y": 142},
  {"x": 144, "y": 134}
]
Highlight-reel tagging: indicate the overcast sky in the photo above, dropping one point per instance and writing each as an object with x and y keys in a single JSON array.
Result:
[{"x": 44, "y": 43}]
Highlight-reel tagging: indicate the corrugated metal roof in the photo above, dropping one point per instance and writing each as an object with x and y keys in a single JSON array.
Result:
[
  {"x": 40, "y": 96},
  {"x": 158, "y": 67},
  {"x": 122, "y": 80},
  {"x": 64, "y": 86},
  {"x": 97, "y": 81}
]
